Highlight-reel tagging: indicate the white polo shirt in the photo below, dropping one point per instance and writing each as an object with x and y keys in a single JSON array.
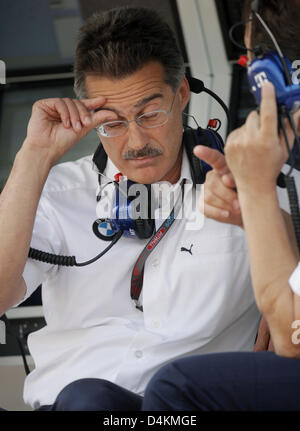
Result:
[{"x": 194, "y": 302}]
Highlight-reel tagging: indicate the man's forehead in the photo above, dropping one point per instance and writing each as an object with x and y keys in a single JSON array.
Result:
[
  {"x": 140, "y": 104},
  {"x": 131, "y": 95},
  {"x": 144, "y": 82}
]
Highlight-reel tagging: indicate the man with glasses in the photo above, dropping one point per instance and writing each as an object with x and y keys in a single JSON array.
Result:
[
  {"x": 99, "y": 350},
  {"x": 149, "y": 120}
]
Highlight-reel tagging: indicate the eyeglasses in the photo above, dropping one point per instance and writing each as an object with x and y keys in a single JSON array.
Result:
[{"x": 149, "y": 120}]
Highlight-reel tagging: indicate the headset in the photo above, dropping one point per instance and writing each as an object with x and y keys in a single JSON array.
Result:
[
  {"x": 123, "y": 220},
  {"x": 131, "y": 226},
  {"x": 273, "y": 67},
  {"x": 124, "y": 217},
  {"x": 276, "y": 68}
]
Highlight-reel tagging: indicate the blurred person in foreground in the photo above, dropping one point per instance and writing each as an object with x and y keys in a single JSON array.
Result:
[
  {"x": 99, "y": 349},
  {"x": 254, "y": 156}
]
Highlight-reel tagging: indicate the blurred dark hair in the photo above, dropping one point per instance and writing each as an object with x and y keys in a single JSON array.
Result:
[
  {"x": 283, "y": 19},
  {"x": 118, "y": 42}
]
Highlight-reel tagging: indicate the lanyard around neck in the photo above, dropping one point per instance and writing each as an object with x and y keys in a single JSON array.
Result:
[{"x": 137, "y": 275}]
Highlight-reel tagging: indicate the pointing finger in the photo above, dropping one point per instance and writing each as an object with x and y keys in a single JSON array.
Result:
[
  {"x": 268, "y": 110},
  {"x": 213, "y": 157}
]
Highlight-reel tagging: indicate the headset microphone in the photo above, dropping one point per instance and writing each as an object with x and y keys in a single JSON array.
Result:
[
  {"x": 124, "y": 219},
  {"x": 269, "y": 68},
  {"x": 276, "y": 68}
]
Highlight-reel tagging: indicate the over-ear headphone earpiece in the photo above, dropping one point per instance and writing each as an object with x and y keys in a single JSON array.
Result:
[
  {"x": 142, "y": 227},
  {"x": 129, "y": 223},
  {"x": 137, "y": 227}
]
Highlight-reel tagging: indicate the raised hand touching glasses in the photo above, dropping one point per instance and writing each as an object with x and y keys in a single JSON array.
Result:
[{"x": 149, "y": 120}]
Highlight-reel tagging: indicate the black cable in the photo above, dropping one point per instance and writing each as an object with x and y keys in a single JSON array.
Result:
[
  {"x": 55, "y": 259},
  {"x": 290, "y": 181},
  {"x": 282, "y": 127},
  {"x": 243, "y": 47},
  {"x": 197, "y": 86},
  {"x": 293, "y": 126},
  {"x": 257, "y": 50},
  {"x": 220, "y": 101},
  {"x": 19, "y": 341},
  {"x": 277, "y": 47},
  {"x": 117, "y": 237}
]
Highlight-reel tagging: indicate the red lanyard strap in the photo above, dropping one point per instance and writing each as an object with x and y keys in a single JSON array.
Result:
[{"x": 137, "y": 275}]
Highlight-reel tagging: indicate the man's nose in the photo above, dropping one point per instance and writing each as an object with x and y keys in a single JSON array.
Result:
[{"x": 137, "y": 136}]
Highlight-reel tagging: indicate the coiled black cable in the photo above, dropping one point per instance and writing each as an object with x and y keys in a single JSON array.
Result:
[
  {"x": 56, "y": 259},
  {"x": 53, "y": 259},
  {"x": 294, "y": 206}
]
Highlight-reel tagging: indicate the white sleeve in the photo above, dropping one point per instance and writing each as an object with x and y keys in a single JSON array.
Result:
[
  {"x": 294, "y": 280},
  {"x": 45, "y": 237},
  {"x": 282, "y": 192}
]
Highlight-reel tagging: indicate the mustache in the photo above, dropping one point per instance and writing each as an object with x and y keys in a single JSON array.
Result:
[{"x": 144, "y": 152}]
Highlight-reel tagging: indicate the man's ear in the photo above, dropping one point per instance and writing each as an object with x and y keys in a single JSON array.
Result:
[{"x": 184, "y": 93}]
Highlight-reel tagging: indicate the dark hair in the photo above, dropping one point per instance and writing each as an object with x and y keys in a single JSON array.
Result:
[
  {"x": 118, "y": 42},
  {"x": 283, "y": 19}
]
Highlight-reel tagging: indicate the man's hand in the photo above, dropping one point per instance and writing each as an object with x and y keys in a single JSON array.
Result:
[
  {"x": 219, "y": 192},
  {"x": 56, "y": 125}
]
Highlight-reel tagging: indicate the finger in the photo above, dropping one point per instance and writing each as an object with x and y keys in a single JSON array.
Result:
[
  {"x": 271, "y": 346},
  {"x": 228, "y": 180},
  {"x": 263, "y": 336},
  {"x": 94, "y": 103},
  {"x": 74, "y": 115},
  {"x": 98, "y": 114},
  {"x": 213, "y": 157},
  {"x": 214, "y": 212},
  {"x": 261, "y": 343},
  {"x": 251, "y": 128},
  {"x": 215, "y": 201},
  {"x": 62, "y": 109},
  {"x": 215, "y": 187},
  {"x": 219, "y": 215},
  {"x": 268, "y": 110},
  {"x": 102, "y": 116},
  {"x": 84, "y": 113}
]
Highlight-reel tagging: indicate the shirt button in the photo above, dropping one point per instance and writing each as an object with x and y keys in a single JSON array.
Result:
[
  {"x": 138, "y": 353},
  {"x": 155, "y": 263}
]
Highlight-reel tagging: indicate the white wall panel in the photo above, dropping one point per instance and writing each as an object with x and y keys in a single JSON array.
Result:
[{"x": 207, "y": 58}]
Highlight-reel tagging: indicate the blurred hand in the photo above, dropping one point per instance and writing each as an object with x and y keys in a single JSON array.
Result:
[
  {"x": 255, "y": 152},
  {"x": 219, "y": 191},
  {"x": 263, "y": 340},
  {"x": 56, "y": 125}
]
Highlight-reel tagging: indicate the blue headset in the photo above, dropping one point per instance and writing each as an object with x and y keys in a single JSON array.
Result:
[
  {"x": 276, "y": 68},
  {"x": 123, "y": 220}
]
